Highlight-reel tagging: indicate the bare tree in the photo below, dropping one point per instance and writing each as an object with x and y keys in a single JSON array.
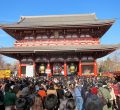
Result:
[
  {"x": 116, "y": 61},
  {"x": 111, "y": 64}
]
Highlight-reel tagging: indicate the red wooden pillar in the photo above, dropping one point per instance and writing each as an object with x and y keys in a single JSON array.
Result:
[
  {"x": 19, "y": 70},
  {"x": 65, "y": 69},
  {"x": 80, "y": 69},
  {"x": 95, "y": 68},
  {"x": 48, "y": 69}
]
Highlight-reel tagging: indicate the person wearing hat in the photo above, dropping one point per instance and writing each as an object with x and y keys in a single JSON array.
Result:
[{"x": 93, "y": 102}]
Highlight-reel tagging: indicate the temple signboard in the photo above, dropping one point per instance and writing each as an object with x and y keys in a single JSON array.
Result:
[{"x": 5, "y": 73}]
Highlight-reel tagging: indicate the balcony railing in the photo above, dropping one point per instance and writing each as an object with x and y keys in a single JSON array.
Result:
[{"x": 57, "y": 42}]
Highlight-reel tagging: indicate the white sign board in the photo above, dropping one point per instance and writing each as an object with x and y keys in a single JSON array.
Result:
[
  {"x": 29, "y": 71},
  {"x": 48, "y": 71}
]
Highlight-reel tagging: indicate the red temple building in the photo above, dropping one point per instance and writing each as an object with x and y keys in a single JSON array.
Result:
[{"x": 58, "y": 44}]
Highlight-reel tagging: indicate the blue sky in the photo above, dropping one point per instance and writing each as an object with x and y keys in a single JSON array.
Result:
[{"x": 11, "y": 10}]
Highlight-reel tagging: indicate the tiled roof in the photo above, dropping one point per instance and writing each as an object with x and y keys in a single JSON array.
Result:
[
  {"x": 80, "y": 48},
  {"x": 58, "y": 21}
]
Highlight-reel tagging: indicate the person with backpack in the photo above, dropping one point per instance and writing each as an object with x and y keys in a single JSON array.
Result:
[{"x": 104, "y": 95}]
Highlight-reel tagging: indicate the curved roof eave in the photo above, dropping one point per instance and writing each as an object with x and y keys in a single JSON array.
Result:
[
  {"x": 57, "y": 25},
  {"x": 62, "y": 48}
]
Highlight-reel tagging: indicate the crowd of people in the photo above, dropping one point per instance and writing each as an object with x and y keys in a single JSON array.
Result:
[{"x": 59, "y": 93}]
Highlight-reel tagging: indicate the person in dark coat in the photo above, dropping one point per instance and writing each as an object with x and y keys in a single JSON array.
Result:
[
  {"x": 2, "y": 106},
  {"x": 93, "y": 102}
]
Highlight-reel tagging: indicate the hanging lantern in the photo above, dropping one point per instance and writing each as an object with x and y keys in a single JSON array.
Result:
[
  {"x": 42, "y": 68},
  {"x": 57, "y": 68},
  {"x": 72, "y": 68}
]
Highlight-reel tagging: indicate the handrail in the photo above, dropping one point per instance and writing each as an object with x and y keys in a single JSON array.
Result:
[{"x": 53, "y": 40}]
